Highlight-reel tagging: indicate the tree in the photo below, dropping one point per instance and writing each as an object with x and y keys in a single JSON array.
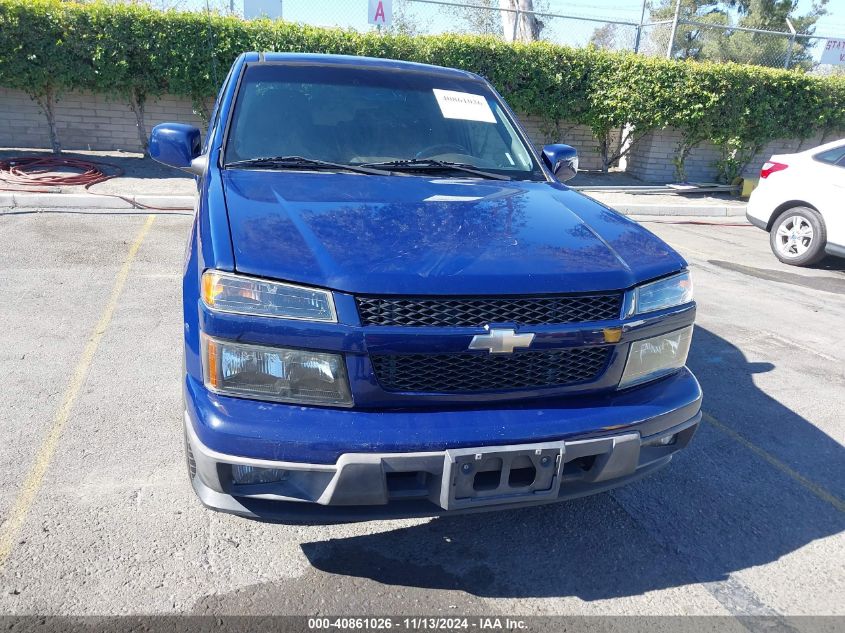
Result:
[
  {"x": 131, "y": 68},
  {"x": 690, "y": 40},
  {"x": 717, "y": 43},
  {"x": 483, "y": 19},
  {"x": 771, "y": 50},
  {"x": 499, "y": 18},
  {"x": 521, "y": 26},
  {"x": 604, "y": 37},
  {"x": 43, "y": 55},
  {"x": 405, "y": 21},
  {"x": 772, "y": 14}
]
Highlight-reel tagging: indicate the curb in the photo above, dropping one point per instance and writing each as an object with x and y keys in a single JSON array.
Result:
[
  {"x": 91, "y": 201},
  {"x": 700, "y": 210}
]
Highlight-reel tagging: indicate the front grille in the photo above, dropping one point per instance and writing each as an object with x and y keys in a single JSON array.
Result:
[
  {"x": 460, "y": 373},
  {"x": 479, "y": 311}
]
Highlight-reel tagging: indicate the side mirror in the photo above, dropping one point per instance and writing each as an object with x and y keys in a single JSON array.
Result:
[
  {"x": 178, "y": 145},
  {"x": 562, "y": 160}
]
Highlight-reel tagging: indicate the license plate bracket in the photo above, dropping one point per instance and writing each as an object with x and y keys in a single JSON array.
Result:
[{"x": 496, "y": 475}]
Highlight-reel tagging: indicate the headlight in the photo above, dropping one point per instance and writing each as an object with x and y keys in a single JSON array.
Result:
[
  {"x": 654, "y": 357},
  {"x": 666, "y": 293},
  {"x": 274, "y": 373},
  {"x": 227, "y": 292}
]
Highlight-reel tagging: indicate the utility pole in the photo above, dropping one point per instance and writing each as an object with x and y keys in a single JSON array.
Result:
[{"x": 671, "y": 47}]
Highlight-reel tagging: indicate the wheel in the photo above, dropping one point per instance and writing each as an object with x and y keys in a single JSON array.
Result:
[{"x": 798, "y": 237}]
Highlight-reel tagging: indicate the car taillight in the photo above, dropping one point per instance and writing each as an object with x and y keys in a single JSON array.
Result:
[{"x": 771, "y": 167}]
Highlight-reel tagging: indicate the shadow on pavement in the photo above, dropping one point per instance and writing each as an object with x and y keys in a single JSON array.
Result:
[
  {"x": 718, "y": 508},
  {"x": 792, "y": 275},
  {"x": 831, "y": 263},
  {"x": 133, "y": 174}
]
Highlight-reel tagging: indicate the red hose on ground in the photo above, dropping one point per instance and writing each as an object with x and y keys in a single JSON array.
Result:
[
  {"x": 29, "y": 172},
  {"x": 32, "y": 173}
]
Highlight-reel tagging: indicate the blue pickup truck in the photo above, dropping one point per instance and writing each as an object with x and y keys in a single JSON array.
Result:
[{"x": 393, "y": 307}]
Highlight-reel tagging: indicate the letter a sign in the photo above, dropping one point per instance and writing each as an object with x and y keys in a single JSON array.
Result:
[{"x": 380, "y": 12}]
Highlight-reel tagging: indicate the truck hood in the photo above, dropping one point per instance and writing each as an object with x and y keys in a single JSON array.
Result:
[{"x": 432, "y": 236}]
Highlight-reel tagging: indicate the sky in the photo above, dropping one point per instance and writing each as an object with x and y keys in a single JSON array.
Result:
[{"x": 352, "y": 13}]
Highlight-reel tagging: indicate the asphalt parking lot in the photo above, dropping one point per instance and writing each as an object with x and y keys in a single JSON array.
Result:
[{"x": 99, "y": 518}]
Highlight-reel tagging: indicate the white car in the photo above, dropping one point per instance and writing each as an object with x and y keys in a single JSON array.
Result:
[{"x": 800, "y": 201}]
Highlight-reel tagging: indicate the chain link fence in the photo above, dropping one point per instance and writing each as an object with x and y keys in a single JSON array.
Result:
[
  {"x": 706, "y": 41},
  {"x": 488, "y": 18},
  {"x": 726, "y": 43},
  {"x": 479, "y": 17}
]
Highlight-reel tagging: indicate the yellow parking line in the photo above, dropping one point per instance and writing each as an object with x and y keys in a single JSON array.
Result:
[
  {"x": 814, "y": 488},
  {"x": 12, "y": 526}
]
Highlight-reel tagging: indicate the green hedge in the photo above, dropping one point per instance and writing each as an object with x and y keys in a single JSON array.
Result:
[{"x": 134, "y": 53}]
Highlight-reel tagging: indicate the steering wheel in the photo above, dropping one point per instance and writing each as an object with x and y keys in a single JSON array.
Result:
[{"x": 443, "y": 148}]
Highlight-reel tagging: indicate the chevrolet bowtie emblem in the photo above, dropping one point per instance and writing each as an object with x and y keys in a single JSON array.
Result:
[{"x": 501, "y": 341}]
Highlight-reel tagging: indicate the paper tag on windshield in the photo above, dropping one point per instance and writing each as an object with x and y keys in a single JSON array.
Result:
[{"x": 463, "y": 105}]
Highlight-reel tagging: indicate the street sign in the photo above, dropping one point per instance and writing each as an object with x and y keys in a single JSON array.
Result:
[
  {"x": 263, "y": 9},
  {"x": 380, "y": 12},
  {"x": 834, "y": 53}
]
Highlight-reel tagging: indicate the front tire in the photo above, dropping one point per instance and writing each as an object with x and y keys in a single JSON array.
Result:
[{"x": 798, "y": 237}]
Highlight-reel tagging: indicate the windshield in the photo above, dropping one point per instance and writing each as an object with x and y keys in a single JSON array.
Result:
[{"x": 356, "y": 116}]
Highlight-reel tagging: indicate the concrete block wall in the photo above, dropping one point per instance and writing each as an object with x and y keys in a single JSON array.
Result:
[
  {"x": 579, "y": 136},
  {"x": 85, "y": 121},
  {"x": 21, "y": 122},
  {"x": 788, "y": 146},
  {"x": 651, "y": 158}
]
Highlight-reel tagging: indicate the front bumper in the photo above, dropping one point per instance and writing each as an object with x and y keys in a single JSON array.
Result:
[
  {"x": 598, "y": 448},
  {"x": 760, "y": 224}
]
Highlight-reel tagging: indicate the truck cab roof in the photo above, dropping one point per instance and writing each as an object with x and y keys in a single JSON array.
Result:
[{"x": 353, "y": 60}]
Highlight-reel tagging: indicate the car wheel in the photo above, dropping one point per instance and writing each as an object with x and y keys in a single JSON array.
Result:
[{"x": 798, "y": 237}]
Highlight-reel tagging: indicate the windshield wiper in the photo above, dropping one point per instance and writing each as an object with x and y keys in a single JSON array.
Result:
[
  {"x": 411, "y": 164},
  {"x": 295, "y": 162}
]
